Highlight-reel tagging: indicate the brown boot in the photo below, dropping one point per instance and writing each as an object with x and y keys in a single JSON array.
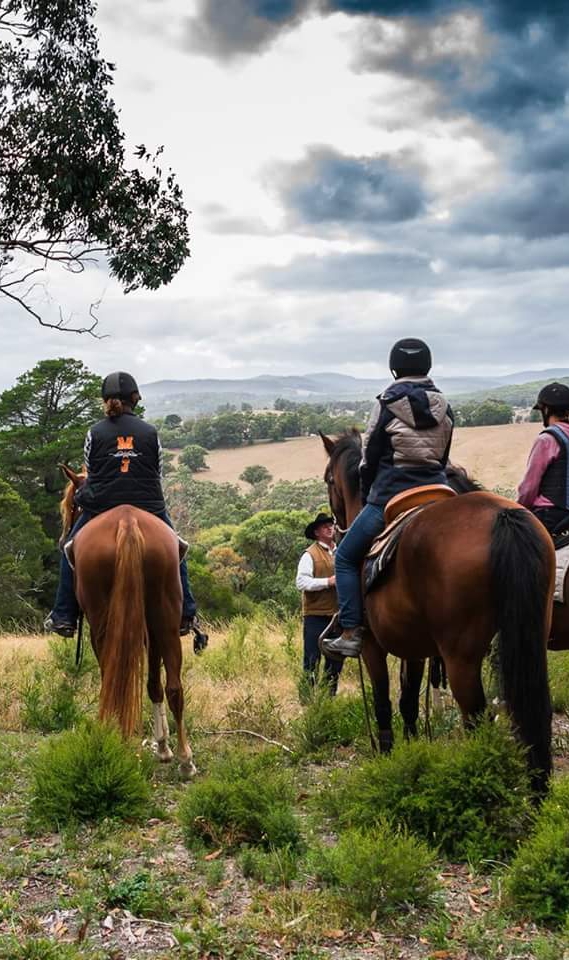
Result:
[{"x": 349, "y": 644}]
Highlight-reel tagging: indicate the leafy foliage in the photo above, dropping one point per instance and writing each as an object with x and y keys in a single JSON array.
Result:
[
  {"x": 193, "y": 457},
  {"x": 88, "y": 774},
  {"x": 43, "y": 421},
  {"x": 380, "y": 870},
  {"x": 537, "y": 883},
  {"x": 274, "y": 868},
  {"x": 142, "y": 894},
  {"x": 468, "y": 797},
  {"x": 329, "y": 722},
  {"x": 22, "y": 547},
  {"x": 272, "y": 540},
  {"x": 245, "y": 799},
  {"x": 255, "y": 473},
  {"x": 485, "y": 413},
  {"x": 66, "y": 189}
]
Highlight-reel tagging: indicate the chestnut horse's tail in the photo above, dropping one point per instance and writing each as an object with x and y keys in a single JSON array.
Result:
[
  {"x": 521, "y": 583},
  {"x": 122, "y": 656}
]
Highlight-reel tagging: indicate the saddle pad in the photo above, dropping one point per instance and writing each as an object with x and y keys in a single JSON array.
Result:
[
  {"x": 383, "y": 549},
  {"x": 561, "y": 568}
]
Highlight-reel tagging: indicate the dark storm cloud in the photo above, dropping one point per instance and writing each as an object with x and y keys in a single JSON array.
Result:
[
  {"x": 531, "y": 207},
  {"x": 228, "y": 29},
  {"x": 327, "y": 187}
]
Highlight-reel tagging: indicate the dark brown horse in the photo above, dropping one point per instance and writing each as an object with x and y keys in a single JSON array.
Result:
[
  {"x": 127, "y": 581},
  {"x": 461, "y": 482},
  {"x": 466, "y": 569}
]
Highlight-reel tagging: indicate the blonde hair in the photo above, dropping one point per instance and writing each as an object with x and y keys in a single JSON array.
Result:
[{"x": 113, "y": 407}]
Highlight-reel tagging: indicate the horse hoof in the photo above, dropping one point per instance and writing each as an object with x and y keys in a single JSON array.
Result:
[
  {"x": 385, "y": 741},
  {"x": 188, "y": 769},
  {"x": 410, "y": 732}
]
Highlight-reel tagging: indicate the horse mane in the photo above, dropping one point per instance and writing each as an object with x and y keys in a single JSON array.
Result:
[
  {"x": 349, "y": 446},
  {"x": 66, "y": 505},
  {"x": 460, "y": 480}
]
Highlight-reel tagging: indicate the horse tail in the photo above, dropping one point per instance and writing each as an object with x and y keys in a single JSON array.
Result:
[
  {"x": 126, "y": 637},
  {"x": 522, "y": 583}
]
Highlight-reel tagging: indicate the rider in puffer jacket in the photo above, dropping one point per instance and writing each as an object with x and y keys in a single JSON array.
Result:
[{"x": 406, "y": 445}]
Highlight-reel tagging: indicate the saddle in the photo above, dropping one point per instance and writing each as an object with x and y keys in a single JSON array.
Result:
[{"x": 399, "y": 512}]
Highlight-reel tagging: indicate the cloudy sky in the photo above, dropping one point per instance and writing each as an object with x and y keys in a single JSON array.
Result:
[{"x": 357, "y": 170}]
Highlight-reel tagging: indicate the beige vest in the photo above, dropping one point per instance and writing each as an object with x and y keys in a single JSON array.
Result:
[{"x": 320, "y": 603}]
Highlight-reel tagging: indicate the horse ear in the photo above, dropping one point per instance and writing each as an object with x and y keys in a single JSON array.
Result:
[
  {"x": 329, "y": 444},
  {"x": 70, "y": 474}
]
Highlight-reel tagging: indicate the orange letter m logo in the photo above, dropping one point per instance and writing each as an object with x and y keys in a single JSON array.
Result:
[{"x": 125, "y": 443}]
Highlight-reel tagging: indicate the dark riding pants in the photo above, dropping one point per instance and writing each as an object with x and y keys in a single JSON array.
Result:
[
  {"x": 348, "y": 563},
  {"x": 554, "y": 519},
  {"x": 66, "y": 608},
  {"x": 313, "y": 626}
]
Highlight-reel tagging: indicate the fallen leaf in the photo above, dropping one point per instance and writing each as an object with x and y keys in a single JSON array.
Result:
[
  {"x": 108, "y": 923},
  {"x": 473, "y": 905},
  {"x": 333, "y": 934},
  {"x": 214, "y": 855}
]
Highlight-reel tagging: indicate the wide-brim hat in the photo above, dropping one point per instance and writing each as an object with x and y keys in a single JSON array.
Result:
[{"x": 309, "y": 533}]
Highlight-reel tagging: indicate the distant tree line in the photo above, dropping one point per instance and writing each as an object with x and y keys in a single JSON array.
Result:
[{"x": 483, "y": 414}]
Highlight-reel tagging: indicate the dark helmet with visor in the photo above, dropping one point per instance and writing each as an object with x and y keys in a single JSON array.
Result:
[
  {"x": 555, "y": 396},
  {"x": 410, "y": 357},
  {"x": 119, "y": 385}
]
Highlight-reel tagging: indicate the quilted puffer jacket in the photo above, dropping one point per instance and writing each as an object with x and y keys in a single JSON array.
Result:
[{"x": 407, "y": 441}]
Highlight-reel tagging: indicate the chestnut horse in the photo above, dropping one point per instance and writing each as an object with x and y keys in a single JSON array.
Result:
[
  {"x": 466, "y": 569},
  {"x": 127, "y": 582},
  {"x": 461, "y": 482}
]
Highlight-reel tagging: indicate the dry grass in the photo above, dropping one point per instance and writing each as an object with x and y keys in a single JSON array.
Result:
[{"x": 496, "y": 456}]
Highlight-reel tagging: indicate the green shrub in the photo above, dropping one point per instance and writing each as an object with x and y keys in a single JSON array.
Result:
[
  {"x": 244, "y": 649},
  {"x": 54, "y": 695},
  {"x": 537, "y": 883},
  {"x": 329, "y": 722},
  {"x": 558, "y": 669},
  {"x": 470, "y": 797},
  {"x": 273, "y": 868},
  {"x": 89, "y": 774},
  {"x": 246, "y": 799},
  {"x": 142, "y": 894},
  {"x": 377, "y": 871},
  {"x": 12, "y": 949}
]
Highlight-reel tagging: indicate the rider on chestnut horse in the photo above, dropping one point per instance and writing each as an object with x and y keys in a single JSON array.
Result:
[
  {"x": 406, "y": 445},
  {"x": 123, "y": 461},
  {"x": 545, "y": 487}
]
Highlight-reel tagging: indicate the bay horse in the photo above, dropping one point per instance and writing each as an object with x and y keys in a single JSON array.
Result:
[
  {"x": 466, "y": 568},
  {"x": 461, "y": 482},
  {"x": 127, "y": 581}
]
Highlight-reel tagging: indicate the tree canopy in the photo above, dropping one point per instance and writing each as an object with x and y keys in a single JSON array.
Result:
[
  {"x": 68, "y": 193},
  {"x": 43, "y": 421},
  {"x": 22, "y": 546}
]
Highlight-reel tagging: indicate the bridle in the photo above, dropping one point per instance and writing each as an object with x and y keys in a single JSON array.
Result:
[{"x": 331, "y": 484}]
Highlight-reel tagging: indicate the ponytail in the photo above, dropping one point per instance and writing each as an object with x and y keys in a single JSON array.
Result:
[{"x": 113, "y": 407}]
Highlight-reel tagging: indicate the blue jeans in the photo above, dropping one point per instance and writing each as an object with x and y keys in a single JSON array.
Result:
[
  {"x": 313, "y": 626},
  {"x": 349, "y": 558},
  {"x": 66, "y": 608}
]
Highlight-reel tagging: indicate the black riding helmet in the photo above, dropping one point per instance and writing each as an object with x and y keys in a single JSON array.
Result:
[
  {"x": 119, "y": 385},
  {"x": 411, "y": 358},
  {"x": 555, "y": 396}
]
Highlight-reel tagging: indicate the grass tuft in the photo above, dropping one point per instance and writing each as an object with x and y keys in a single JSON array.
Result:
[
  {"x": 329, "y": 722},
  {"x": 377, "y": 872},
  {"x": 89, "y": 774}
]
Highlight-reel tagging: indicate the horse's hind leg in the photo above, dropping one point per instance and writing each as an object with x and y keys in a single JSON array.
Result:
[
  {"x": 172, "y": 655},
  {"x": 466, "y": 684},
  {"x": 411, "y": 675},
  {"x": 376, "y": 662},
  {"x": 156, "y": 694}
]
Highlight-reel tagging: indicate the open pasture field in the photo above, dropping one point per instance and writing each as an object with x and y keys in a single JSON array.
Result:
[
  {"x": 265, "y": 854},
  {"x": 495, "y": 456}
]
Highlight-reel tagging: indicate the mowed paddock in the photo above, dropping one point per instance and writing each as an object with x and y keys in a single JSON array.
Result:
[
  {"x": 495, "y": 456},
  {"x": 293, "y": 841}
]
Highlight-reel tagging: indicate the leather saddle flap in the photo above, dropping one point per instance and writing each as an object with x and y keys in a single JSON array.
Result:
[
  {"x": 415, "y": 497},
  {"x": 384, "y": 548}
]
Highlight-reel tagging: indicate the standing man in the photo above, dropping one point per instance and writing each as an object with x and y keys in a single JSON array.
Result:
[
  {"x": 316, "y": 578},
  {"x": 545, "y": 488}
]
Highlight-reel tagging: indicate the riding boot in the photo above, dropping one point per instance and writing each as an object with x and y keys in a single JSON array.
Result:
[{"x": 349, "y": 644}]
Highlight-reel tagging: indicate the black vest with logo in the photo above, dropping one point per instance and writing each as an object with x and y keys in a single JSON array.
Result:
[
  {"x": 123, "y": 460},
  {"x": 555, "y": 481}
]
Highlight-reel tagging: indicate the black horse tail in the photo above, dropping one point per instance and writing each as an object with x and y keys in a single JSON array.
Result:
[{"x": 521, "y": 568}]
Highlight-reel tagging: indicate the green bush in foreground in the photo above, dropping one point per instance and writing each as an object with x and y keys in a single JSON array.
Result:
[
  {"x": 41, "y": 949},
  {"x": 329, "y": 722},
  {"x": 89, "y": 774},
  {"x": 468, "y": 797},
  {"x": 273, "y": 868},
  {"x": 142, "y": 894},
  {"x": 379, "y": 871},
  {"x": 246, "y": 799},
  {"x": 537, "y": 883}
]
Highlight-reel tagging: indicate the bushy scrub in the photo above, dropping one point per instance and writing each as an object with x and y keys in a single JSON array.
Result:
[
  {"x": 537, "y": 883},
  {"x": 273, "y": 868},
  {"x": 142, "y": 894},
  {"x": 377, "y": 871},
  {"x": 40, "y": 949},
  {"x": 558, "y": 670},
  {"x": 469, "y": 797},
  {"x": 57, "y": 692},
  {"x": 245, "y": 799},
  {"x": 244, "y": 650},
  {"x": 329, "y": 722},
  {"x": 89, "y": 774}
]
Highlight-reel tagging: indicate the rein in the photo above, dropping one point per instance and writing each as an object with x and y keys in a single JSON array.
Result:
[
  {"x": 79, "y": 647},
  {"x": 372, "y": 740}
]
